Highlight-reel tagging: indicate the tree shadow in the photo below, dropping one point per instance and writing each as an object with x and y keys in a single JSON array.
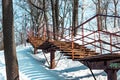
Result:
[
  {"x": 90, "y": 75},
  {"x": 77, "y": 68}
]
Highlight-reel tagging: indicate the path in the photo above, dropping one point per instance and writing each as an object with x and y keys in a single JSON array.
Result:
[{"x": 33, "y": 68}]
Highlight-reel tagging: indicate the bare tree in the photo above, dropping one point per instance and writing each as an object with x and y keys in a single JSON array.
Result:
[
  {"x": 36, "y": 12},
  {"x": 1, "y": 41},
  {"x": 46, "y": 18},
  {"x": 75, "y": 16},
  {"x": 9, "y": 42},
  {"x": 101, "y": 8},
  {"x": 57, "y": 16},
  {"x": 115, "y": 11},
  {"x": 53, "y": 17}
]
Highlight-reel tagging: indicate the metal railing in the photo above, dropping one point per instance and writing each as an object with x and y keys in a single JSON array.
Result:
[{"x": 92, "y": 35}]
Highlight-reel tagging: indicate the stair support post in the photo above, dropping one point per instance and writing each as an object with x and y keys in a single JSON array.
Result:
[
  {"x": 52, "y": 59},
  {"x": 111, "y": 74},
  {"x": 35, "y": 50}
]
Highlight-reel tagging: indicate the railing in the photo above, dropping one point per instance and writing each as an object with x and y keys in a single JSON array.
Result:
[
  {"x": 92, "y": 35},
  {"x": 101, "y": 40}
]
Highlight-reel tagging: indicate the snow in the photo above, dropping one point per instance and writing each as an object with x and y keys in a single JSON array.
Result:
[{"x": 35, "y": 67}]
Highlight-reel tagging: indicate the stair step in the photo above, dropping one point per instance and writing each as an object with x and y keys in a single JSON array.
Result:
[
  {"x": 80, "y": 51},
  {"x": 76, "y": 57},
  {"x": 70, "y": 51},
  {"x": 95, "y": 53},
  {"x": 70, "y": 54},
  {"x": 79, "y": 57}
]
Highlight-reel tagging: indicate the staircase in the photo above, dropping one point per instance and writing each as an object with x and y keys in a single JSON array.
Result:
[
  {"x": 107, "y": 58},
  {"x": 35, "y": 41},
  {"x": 79, "y": 51}
]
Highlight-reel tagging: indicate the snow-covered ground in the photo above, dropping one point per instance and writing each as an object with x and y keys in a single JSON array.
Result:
[{"x": 35, "y": 67}]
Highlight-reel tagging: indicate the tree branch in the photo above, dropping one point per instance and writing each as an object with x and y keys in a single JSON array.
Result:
[{"x": 35, "y": 5}]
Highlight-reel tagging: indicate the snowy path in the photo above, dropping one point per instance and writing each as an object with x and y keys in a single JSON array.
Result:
[{"x": 33, "y": 68}]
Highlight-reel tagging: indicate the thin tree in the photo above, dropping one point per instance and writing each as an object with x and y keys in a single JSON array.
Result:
[
  {"x": 75, "y": 16},
  {"x": 115, "y": 2},
  {"x": 57, "y": 16},
  {"x": 9, "y": 42},
  {"x": 53, "y": 17},
  {"x": 46, "y": 18}
]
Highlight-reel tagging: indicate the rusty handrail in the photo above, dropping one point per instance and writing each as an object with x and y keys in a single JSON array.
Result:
[{"x": 94, "y": 39}]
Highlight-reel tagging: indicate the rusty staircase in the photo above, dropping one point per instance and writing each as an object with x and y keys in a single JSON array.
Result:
[
  {"x": 79, "y": 51},
  {"x": 92, "y": 58}
]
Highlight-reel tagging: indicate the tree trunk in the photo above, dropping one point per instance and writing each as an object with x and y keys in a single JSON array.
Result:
[
  {"x": 53, "y": 18},
  {"x": 57, "y": 17},
  {"x": 46, "y": 19},
  {"x": 98, "y": 11},
  {"x": 9, "y": 42},
  {"x": 115, "y": 12},
  {"x": 75, "y": 17}
]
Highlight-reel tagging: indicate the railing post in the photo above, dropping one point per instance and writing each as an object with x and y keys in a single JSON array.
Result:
[
  {"x": 110, "y": 43},
  {"x": 99, "y": 29},
  {"x": 82, "y": 35},
  {"x": 72, "y": 36},
  {"x": 52, "y": 59},
  {"x": 95, "y": 42},
  {"x": 100, "y": 42},
  {"x": 35, "y": 50},
  {"x": 44, "y": 34}
]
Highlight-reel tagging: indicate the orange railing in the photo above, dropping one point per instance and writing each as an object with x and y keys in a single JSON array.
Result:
[
  {"x": 103, "y": 41},
  {"x": 91, "y": 35}
]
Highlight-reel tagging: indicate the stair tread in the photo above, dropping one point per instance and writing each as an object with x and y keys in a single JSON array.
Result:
[
  {"x": 80, "y": 51},
  {"x": 79, "y": 57}
]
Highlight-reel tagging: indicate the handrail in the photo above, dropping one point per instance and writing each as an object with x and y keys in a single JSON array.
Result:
[
  {"x": 59, "y": 36},
  {"x": 86, "y": 35},
  {"x": 97, "y": 45},
  {"x": 86, "y": 21},
  {"x": 94, "y": 17},
  {"x": 108, "y": 15},
  {"x": 100, "y": 33},
  {"x": 83, "y": 37}
]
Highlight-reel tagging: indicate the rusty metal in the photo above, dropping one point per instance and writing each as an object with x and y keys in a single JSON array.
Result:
[
  {"x": 72, "y": 37},
  {"x": 85, "y": 22},
  {"x": 35, "y": 50},
  {"x": 100, "y": 42},
  {"x": 46, "y": 58},
  {"x": 82, "y": 35},
  {"x": 86, "y": 36},
  {"x": 44, "y": 33},
  {"x": 91, "y": 71},
  {"x": 52, "y": 59},
  {"x": 96, "y": 41}
]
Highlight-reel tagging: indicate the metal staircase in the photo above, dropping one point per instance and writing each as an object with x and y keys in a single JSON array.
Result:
[{"x": 99, "y": 49}]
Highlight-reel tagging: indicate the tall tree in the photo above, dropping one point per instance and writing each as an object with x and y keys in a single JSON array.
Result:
[
  {"x": 46, "y": 18},
  {"x": 75, "y": 16},
  {"x": 57, "y": 16},
  {"x": 115, "y": 2},
  {"x": 102, "y": 8},
  {"x": 53, "y": 17},
  {"x": 9, "y": 42},
  {"x": 1, "y": 41},
  {"x": 36, "y": 12}
]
